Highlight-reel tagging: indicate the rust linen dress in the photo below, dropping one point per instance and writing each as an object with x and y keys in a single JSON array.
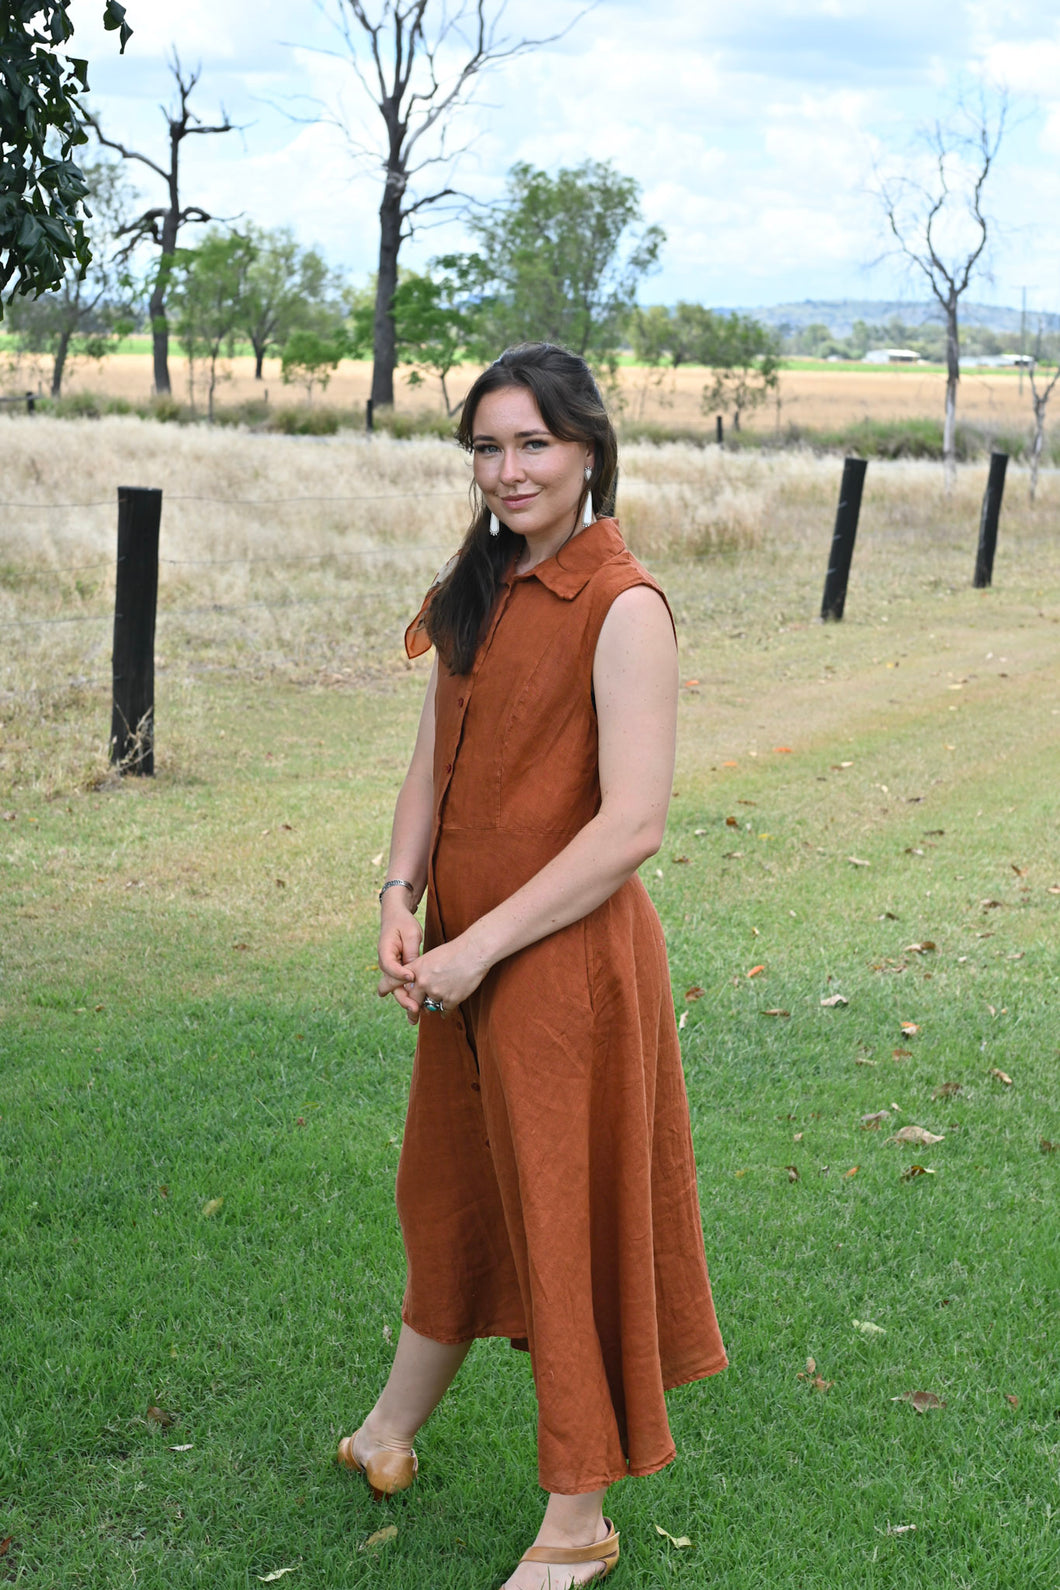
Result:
[{"x": 546, "y": 1188}]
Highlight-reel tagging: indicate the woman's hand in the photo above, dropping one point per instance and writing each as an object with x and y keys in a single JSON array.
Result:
[
  {"x": 400, "y": 936},
  {"x": 447, "y": 974}
]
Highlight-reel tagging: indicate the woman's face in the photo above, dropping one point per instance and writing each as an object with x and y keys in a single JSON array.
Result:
[{"x": 531, "y": 480}]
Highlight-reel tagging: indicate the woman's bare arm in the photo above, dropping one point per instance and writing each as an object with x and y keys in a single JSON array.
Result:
[
  {"x": 400, "y": 934},
  {"x": 635, "y": 683}
]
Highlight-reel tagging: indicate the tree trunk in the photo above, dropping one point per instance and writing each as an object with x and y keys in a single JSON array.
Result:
[
  {"x": 1036, "y": 447},
  {"x": 385, "y": 339},
  {"x": 61, "y": 350},
  {"x": 953, "y": 375},
  {"x": 160, "y": 333},
  {"x": 259, "y": 358}
]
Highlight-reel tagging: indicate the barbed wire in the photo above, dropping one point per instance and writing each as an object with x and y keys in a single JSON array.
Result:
[
  {"x": 251, "y": 502},
  {"x": 174, "y": 612}
]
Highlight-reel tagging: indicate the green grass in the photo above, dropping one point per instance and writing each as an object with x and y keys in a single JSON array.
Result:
[{"x": 186, "y": 1015}]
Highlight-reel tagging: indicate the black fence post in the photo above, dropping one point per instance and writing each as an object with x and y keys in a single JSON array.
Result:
[
  {"x": 132, "y": 724},
  {"x": 719, "y": 425},
  {"x": 995, "y": 490},
  {"x": 31, "y": 403},
  {"x": 846, "y": 529},
  {"x": 369, "y": 422}
]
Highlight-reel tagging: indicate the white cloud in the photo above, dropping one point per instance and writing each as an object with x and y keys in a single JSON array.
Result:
[{"x": 750, "y": 129}]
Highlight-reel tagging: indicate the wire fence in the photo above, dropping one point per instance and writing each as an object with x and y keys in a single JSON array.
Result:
[{"x": 332, "y": 555}]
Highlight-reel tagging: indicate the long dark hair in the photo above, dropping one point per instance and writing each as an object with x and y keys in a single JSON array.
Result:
[{"x": 570, "y": 404}]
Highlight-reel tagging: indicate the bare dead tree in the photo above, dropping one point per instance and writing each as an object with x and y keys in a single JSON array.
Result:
[
  {"x": 161, "y": 225},
  {"x": 418, "y": 61},
  {"x": 1040, "y": 402},
  {"x": 941, "y": 228}
]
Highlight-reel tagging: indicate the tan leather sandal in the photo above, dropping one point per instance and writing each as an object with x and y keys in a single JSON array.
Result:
[
  {"x": 386, "y": 1472},
  {"x": 605, "y": 1551}
]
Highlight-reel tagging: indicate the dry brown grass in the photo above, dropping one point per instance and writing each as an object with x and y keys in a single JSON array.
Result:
[
  {"x": 819, "y": 399},
  {"x": 265, "y": 578}
]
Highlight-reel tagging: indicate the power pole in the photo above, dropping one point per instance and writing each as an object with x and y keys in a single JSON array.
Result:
[{"x": 1023, "y": 334}]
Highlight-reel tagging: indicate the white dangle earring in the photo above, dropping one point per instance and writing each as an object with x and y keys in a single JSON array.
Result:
[
  {"x": 587, "y": 512},
  {"x": 495, "y": 525}
]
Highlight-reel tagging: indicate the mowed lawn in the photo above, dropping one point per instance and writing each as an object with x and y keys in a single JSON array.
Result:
[{"x": 201, "y": 1106}]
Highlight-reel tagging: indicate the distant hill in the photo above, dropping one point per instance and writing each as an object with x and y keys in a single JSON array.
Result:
[{"x": 840, "y": 314}]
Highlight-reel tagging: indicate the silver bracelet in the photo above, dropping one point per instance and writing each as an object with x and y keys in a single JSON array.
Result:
[{"x": 394, "y": 883}]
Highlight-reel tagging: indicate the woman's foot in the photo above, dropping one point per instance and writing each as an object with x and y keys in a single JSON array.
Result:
[
  {"x": 570, "y": 1523},
  {"x": 389, "y": 1464}
]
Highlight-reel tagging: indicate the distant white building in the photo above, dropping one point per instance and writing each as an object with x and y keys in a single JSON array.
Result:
[{"x": 891, "y": 356}]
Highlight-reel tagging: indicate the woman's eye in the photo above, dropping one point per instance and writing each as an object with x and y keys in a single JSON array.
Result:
[
  {"x": 482, "y": 448},
  {"x": 536, "y": 443}
]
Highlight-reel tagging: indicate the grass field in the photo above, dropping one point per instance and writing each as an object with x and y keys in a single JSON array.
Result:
[
  {"x": 201, "y": 1098},
  {"x": 825, "y": 397}
]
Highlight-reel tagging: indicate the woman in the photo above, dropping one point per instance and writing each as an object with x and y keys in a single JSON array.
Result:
[{"x": 546, "y": 1187}]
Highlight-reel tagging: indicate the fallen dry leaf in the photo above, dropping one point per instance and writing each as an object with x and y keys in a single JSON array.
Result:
[
  {"x": 380, "y": 1537},
  {"x": 695, "y": 992},
  {"x": 8, "y": 1540},
  {"x": 946, "y": 1090},
  {"x": 793, "y": 1174},
  {"x": 682, "y": 1020},
  {"x": 833, "y": 1000},
  {"x": 776, "y": 1012},
  {"x": 923, "y": 948},
  {"x": 867, "y": 1328},
  {"x": 916, "y": 1170},
  {"x": 852, "y": 1171},
  {"x": 901, "y": 1529},
  {"x": 1015, "y": 1401},
  {"x": 680, "y": 861},
  {"x": 873, "y": 1122},
  {"x": 377, "y": 861},
  {"x": 211, "y": 1206},
  {"x": 1046, "y": 1147},
  {"x": 187, "y": 1447},
  {"x": 732, "y": 822},
  {"x": 161, "y": 1416},
  {"x": 675, "y": 1540},
  {"x": 1001, "y": 1076},
  {"x": 920, "y": 1400},
  {"x": 901, "y": 1054},
  {"x": 856, "y": 861},
  {"x": 782, "y": 750},
  {"x": 910, "y": 1029},
  {"x": 916, "y": 1134},
  {"x": 278, "y": 1573},
  {"x": 756, "y": 970}
]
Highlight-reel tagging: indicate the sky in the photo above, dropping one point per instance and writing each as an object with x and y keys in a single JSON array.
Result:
[{"x": 756, "y": 131}]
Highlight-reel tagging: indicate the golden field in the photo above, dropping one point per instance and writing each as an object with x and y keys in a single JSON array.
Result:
[
  {"x": 820, "y": 399},
  {"x": 294, "y": 563}
]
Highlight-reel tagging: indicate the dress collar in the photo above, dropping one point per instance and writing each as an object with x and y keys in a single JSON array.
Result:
[{"x": 573, "y": 566}]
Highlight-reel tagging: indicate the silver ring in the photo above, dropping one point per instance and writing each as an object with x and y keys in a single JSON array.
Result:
[{"x": 434, "y": 1005}]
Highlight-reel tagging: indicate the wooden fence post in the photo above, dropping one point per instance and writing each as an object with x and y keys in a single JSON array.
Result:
[
  {"x": 846, "y": 529},
  {"x": 991, "y": 513},
  {"x": 132, "y": 724},
  {"x": 369, "y": 421},
  {"x": 719, "y": 430}
]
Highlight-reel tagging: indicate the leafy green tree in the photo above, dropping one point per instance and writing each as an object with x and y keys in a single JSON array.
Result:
[
  {"x": 42, "y": 190},
  {"x": 207, "y": 290},
  {"x": 286, "y": 287},
  {"x": 560, "y": 259},
  {"x": 311, "y": 357},
  {"x": 434, "y": 326},
  {"x": 745, "y": 365},
  {"x": 95, "y": 303},
  {"x": 162, "y": 223}
]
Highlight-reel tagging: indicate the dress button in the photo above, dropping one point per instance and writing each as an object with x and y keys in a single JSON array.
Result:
[
  {"x": 449, "y": 767},
  {"x": 460, "y": 702},
  {"x": 476, "y": 1087}
]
